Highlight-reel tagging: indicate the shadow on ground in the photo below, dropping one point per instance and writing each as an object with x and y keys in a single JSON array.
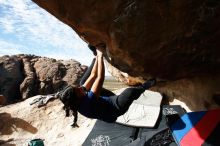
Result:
[{"x": 10, "y": 124}]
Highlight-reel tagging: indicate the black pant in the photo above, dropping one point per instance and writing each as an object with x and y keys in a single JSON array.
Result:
[{"x": 122, "y": 101}]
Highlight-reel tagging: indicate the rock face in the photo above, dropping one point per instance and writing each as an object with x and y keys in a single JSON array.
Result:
[
  {"x": 23, "y": 76},
  {"x": 2, "y": 100},
  {"x": 171, "y": 40},
  {"x": 198, "y": 93},
  {"x": 11, "y": 77},
  {"x": 122, "y": 76},
  {"x": 165, "y": 39}
]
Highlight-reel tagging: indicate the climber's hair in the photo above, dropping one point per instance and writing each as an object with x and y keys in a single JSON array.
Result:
[{"x": 68, "y": 98}]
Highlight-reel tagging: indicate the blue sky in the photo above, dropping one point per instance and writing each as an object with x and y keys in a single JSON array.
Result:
[{"x": 26, "y": 28}]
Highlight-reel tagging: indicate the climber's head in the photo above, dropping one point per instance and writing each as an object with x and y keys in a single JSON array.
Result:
[{"x": 70, "y": 97}]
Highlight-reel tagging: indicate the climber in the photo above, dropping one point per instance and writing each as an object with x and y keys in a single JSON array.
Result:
[{"x": 86, "y": 98}]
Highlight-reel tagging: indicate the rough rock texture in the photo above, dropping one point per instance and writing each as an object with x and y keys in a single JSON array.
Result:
[
  {"x": 122, "y": 76},
  {"x": 166, "y": 39},
  {"x": 170, "y": 40},
  {"x": 197, "y": 93},
  {"x": 11, "y": 77},
  {"x": 23, "y": 76},
  {"x": 48, "y": 123},
  {"x": 2, "y": 100}
]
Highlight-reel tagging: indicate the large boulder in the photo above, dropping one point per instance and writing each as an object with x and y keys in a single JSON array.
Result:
[
  {"x": 11, "y": 77},
  {"x": 174, "y": 41},
  {"x": 24, "y": 76},
  {"x": 165, "y": 39}
]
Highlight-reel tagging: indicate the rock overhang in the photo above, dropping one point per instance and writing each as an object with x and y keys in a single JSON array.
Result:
[
  {"x": 176, "y": 41},
  {"x": 164, "y": 39}
]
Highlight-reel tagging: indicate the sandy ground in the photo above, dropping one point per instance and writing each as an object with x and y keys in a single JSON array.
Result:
[{"x": 21, "y": 122}]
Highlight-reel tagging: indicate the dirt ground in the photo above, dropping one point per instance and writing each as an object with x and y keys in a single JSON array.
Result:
[{"x": 22, "y": 122}]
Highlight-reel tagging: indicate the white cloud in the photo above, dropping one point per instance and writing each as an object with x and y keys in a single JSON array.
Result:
[
  {"x": 28, "y": 22},
  {"x": 9, "y": 49},
  {"x": 35, "y": 31},
  {"x": 7, "y": 25}
]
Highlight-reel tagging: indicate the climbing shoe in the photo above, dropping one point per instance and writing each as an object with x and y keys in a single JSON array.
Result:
[
  {"x": 146, "y": 85},
  {"x": 93, "y": 49}
]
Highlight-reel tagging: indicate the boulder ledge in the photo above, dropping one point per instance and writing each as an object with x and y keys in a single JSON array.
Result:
[{"x": 174, "y": 41}]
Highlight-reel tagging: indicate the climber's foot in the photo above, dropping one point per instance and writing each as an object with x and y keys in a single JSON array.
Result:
[{"x": 146, "y": 85}]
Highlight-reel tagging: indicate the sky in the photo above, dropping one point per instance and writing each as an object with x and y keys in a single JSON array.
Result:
[{"x": 25, "y": 28}]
